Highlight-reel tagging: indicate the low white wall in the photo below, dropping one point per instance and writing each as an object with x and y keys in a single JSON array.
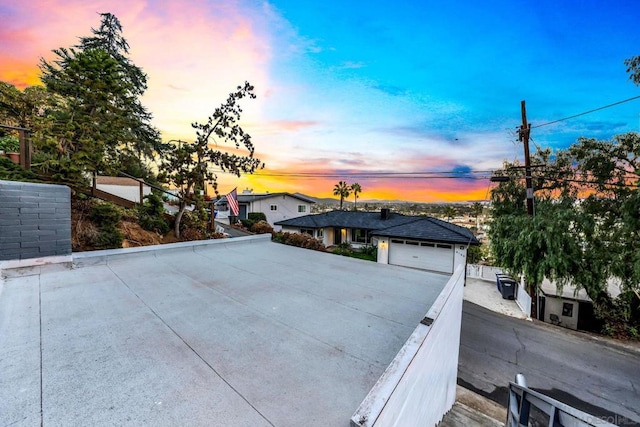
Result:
[
  {"x": 486, "y": 272},
  {"x": 419, "y": 386}
]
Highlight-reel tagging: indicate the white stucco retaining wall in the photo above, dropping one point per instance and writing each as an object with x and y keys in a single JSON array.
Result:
[{"x": 419, "y": 386}]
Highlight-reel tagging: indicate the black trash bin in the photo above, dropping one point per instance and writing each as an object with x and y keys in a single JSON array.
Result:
[
  {"x": 506, "y": 286},
  {"x": 501, "y": 276}
]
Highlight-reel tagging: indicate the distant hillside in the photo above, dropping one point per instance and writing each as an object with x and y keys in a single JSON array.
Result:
[
  {"x": 326, "y": 200},
  {"x": 349, "y": 202}
]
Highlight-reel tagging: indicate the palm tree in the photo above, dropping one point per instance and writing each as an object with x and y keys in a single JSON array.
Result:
[
  {"x": 449, "y": 212},
  {"x": 341, "y": 189},
  {"x": 356, "y": 188},
  {"x": 477, "y": 209}
]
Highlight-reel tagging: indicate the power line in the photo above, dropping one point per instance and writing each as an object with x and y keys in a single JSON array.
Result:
[
  {"x": 388, "y": 177},
  {"x": 586, "y": 112},
  {"x": 421, "y": 174}
]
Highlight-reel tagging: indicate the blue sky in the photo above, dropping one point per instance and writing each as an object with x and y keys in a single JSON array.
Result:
[{"x": 351, "y": 87}]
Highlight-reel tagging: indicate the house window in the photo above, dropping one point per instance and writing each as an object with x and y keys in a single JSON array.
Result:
[
  {"x": 359, "y": 235},
  {"x": 302, "y": 208},
  {"x": 567, "y": 309},
  {"x": 397, "y": 241},
  {"x": 320, "y": 233},
  {"x": 444, "y": 246},
  {"x": 274, "y": 207},
  {"x": 411, "y": 242},
  {"x": 308, "y": 231},
  {"x": 429, "y": 245}
]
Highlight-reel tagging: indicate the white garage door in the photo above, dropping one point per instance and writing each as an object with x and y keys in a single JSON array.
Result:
[{"x": 426, "y": 256}]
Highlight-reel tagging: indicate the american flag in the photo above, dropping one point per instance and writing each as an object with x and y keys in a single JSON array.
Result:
[{"x": 232, "y": 201}]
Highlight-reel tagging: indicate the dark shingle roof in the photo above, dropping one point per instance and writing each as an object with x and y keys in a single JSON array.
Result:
[
  {"x": 397, "y": 225},
  {"x": 432, "y": 229}
]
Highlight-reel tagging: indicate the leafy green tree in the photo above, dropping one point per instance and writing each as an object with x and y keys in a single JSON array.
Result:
[
  {"x": 28, "y": 108},
  {"x": 357, "y": 189},
  {"x": 585, "y": 229},
  {"x": 633, "y": 68},
  {"x": 187, "y": 166},
  {"x": 22, "y": 108},
  {"x": 474, "y": 254},
  {"x": 99, "y": 119},
  {"x": 343, "y": 190}
]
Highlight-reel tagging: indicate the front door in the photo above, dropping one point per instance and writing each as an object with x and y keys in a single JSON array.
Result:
[{"x": 337, "y": 236}]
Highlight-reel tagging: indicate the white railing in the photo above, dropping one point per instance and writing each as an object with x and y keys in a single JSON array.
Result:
[
  {"x": 549, "y": 412},
  {"x": 486, "y": 272},
  {"x": 523, "y": 299},
  {"x": 419, "y": 386}
]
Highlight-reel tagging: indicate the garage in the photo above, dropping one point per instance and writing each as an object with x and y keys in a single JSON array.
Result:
[{"x": 423, "y": 255}]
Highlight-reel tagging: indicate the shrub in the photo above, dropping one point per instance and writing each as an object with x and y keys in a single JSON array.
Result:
[
  {"x": 151, "y": 215},
  {"x": 257, "y": 216},
  {"x": 278, "y": 237},
  {"x": 620, "y": 316},
  {"x": 12, "y": 172},
  {"x": 106, "y": 216},
  {"x": 299, "y": 240},
  {"x": 109, "y": 237},
  {"x": 369, "y": 250},
  {"x": 194, "y": 221},
  {"x": 247, "y": 223},
  {"x": 343, "y": 248},
  {"x": 189, "y": 234},
  {"x": 262, "y": 227}
]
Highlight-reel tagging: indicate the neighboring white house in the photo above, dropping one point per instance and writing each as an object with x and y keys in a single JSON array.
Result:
[
  {"x": 411, "y": 241},
  {"x": 127, "y": 188},
  {"x": 275, "y": 206}
]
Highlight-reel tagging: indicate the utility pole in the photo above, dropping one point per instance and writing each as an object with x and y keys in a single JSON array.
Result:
[
  {"x": 525, "y": 130},
  {"x": 524, "y": 133}
]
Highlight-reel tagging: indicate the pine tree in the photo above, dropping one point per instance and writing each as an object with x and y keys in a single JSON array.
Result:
[{"x": 99, "y": 123}]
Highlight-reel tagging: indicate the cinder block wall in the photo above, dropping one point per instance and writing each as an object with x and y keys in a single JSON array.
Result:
[{"x": 35, "y": 220}]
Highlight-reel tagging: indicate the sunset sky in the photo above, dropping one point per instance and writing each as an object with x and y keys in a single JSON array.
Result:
[{"x": 353, "y": 87}]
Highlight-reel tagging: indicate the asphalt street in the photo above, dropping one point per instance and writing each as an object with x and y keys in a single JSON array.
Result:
[{"x": 589, "y": 374}]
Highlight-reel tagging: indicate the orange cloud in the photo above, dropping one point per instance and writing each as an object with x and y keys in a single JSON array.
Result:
[
  {"x": 206, "y": 49},
  {"x": 315, "y": 182}
]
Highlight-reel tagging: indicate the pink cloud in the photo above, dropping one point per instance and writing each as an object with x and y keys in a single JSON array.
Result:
[
  {"x": 204, "y": 48},
  {"x": 288, "y": 125}
]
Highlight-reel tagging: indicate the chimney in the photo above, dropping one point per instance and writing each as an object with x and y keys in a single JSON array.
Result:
[{"x": 385, "y": 213}]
